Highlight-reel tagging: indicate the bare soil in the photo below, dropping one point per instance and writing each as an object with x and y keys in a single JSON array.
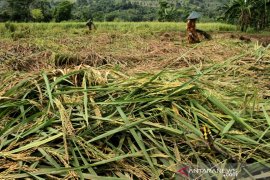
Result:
[{"x": 263, "y": 40}]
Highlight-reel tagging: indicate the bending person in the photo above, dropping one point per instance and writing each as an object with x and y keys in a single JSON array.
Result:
[{"x": 192, "y": 34}]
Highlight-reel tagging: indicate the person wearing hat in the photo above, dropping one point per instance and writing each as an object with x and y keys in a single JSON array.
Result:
[{"x": 192, "y": 34}]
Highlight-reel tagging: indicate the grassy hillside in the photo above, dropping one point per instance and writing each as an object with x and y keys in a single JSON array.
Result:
[{"x": 208, "y": 8}]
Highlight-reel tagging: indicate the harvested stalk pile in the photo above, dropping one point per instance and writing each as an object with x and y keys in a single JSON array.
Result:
[{"x": 90, "y": 124}]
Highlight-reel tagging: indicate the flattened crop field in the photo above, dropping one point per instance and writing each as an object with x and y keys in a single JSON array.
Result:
[{"x": 133, "y": 101}]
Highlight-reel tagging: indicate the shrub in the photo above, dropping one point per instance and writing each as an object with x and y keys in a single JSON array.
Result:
[
  {"x": 37, "y": 14},
  {"x": 63, "y": 11}
]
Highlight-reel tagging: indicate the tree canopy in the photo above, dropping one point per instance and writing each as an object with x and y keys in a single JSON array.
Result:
[
  {"x": 108, "y": 10},
  {"x": 248, "y": 13},
  {"x": 245, "y": 13},
  {"x": 62, "y": 11}
]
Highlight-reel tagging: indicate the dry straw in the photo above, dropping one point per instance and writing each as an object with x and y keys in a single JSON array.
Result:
[{"x": 92, "y": 124}]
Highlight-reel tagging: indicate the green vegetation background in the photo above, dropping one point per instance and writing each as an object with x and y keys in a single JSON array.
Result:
[{"x": 106, "y": 10}]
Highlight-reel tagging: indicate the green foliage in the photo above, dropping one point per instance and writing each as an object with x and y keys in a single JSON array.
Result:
[
  {"x": 245, "y": 13},
  {"x": 104, "y": 10},
  {"x": 19, "y": 10},
  {"x": 63, "y": 11},
  {"x": 10, "y": 26},
  {"x": 248, "y": 13},
  {"x": 46, "y": 7},
  {"x": 167, "y": 12},
  {"x": 83, "y": 14},
  {"x": 37, "y": 14},
  {"x": 4, "y": 15}
]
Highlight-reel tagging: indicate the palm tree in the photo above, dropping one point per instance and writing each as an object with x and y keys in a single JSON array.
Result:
[
  {"x": 247, "y": 13},
  {"x": 240, "y": 10},
  {"x": 261, "y": 12}
]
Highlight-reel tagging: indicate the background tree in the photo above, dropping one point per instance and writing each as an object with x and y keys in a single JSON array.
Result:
[
  {"x": 19, "y": 9},
  {"x": 46, "y": 8},
  {"x": 63, "y": 11},
  {"x": 245, "y": 13},
  {"x": 249, "y": 13},
  {"x": 4, "y": 14},
  {"x": 167, "y": 12},
  {"x": 260, "y": 14},
  {"x": 240, "y": 10},
  {"x": 82, "y": 13},
  {"x": 37, "y": 15}
]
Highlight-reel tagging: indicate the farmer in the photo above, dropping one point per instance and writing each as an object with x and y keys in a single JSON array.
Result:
[
  {"x": 191, "y": 28},
  {"x": 90, "y": 24}
]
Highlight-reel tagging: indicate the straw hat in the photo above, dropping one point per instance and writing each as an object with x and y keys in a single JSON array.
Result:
[{"x": 194, "y": 15}]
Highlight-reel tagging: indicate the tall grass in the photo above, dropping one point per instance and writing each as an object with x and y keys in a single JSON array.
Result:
[
  {"x": 162, "y": 26},
  {"x": 47, "y": 29}
]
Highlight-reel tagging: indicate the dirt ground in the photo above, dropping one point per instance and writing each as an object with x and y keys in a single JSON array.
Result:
[{"x": 263, "y": 40}]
